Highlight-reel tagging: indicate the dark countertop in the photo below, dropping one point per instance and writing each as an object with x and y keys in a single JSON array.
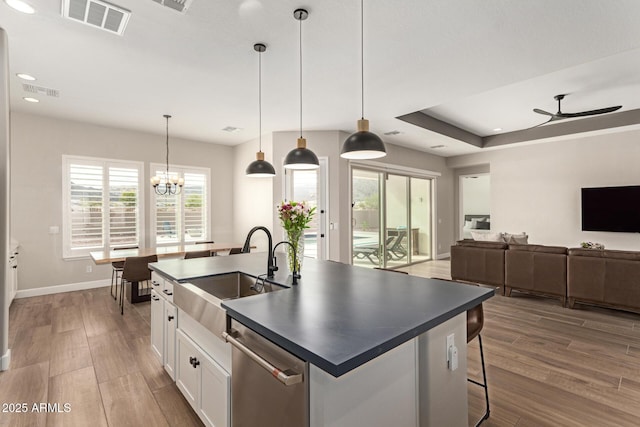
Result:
[{"x": 339, "y": 316}]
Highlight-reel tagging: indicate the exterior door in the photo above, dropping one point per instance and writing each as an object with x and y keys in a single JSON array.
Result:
[{"x": 310, "y": 186}]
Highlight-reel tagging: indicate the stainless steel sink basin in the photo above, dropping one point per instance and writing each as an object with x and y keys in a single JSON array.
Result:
[
  {"x": 233, "y": 285},
  {"x": 201, "y": 298}
]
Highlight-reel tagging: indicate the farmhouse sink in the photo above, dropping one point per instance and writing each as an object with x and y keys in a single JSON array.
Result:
[{"x": 200, "y": 298}]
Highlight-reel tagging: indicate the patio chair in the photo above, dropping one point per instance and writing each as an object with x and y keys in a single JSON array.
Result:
[
  {"x": 371, "y": 252},
  {"x": 397, "y": 250}
]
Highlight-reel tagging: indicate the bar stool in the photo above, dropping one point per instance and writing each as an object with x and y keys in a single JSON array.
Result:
[
  {"x": 235, "y": 251},
  {"x": 136, "y": 270},
  {"x": 116, "y": 270},
  {"x": 475, "y": 322}
]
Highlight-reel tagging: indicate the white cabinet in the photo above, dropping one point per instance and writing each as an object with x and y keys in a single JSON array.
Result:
[
  {"x": 157, "y": 325},
  {"x": 170, "y": 325},
  {"x": 164, "y": 321},
  {"x": 204, "y": 383}
]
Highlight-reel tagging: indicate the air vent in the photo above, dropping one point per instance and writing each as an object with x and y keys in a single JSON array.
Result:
[
  {"x": 97, "y": 13},
  {"x": 41, "y": 90},
  {"x": 231, "y": 129},
  {"x": 393, "y": 132},
  {"x": 179, "y": 5},
  {"x": 435, "y": 147}
]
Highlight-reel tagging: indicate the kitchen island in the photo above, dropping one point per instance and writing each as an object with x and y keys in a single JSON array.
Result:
[{"x": 375, "y": 341}]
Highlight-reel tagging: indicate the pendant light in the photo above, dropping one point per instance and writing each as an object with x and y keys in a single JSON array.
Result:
[
  {"x": 260, "y": 168},
  {"x": 301, "y": 157},
  {"x": 171, "y": 185},
  {"x": 363, "y": 144}
]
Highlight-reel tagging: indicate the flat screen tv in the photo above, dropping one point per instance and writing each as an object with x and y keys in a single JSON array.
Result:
[{"x": 611, "y": 209}]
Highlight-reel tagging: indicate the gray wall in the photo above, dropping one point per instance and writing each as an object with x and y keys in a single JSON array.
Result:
[{"x": 38, "y": 144}]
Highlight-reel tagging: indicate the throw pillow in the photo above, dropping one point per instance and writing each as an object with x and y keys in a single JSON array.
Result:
[
  {"x": 518, "y": 239},
  {"x": 483, "y": 225},
  {"x": 487, "y": 236}
]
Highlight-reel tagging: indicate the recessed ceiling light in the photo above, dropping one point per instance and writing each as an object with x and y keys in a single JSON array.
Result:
[
  {"x": 24, "y": 76},
  {"x": 435, "y": 147},
  {"x": 28, "y": 99},
  {"x": 497, "y": 129},
  {"x": 231, "y": 129},
  {"x": 20, "y": 6}
]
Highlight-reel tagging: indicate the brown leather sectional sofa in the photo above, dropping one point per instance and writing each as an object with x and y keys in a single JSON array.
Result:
[
  {"x": 608, "y": 278},
  {"x": 604, "y": 277}
]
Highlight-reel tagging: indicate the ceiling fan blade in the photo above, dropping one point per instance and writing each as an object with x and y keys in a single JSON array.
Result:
[
  {"x": 551, "y": 119},
  {"x": 590, "y": 113},
  {"x": 539, "y": 111}
]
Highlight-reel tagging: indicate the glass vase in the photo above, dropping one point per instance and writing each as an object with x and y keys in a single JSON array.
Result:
[{"x": 296, "y": 238}]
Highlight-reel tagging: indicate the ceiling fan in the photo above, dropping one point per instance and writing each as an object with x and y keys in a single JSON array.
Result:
[{"x": 560, "y": 115}]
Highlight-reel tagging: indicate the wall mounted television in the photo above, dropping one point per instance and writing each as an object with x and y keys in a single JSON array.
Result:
[{"x": 614, "y": 209}]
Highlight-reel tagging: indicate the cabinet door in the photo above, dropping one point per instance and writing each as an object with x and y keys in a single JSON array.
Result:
[
  {"x": 215, "y": 390},
  {"x": 170, "y": 319},
  {"x": 157, "y": 325},
  {"x": 187, "y": 372}
]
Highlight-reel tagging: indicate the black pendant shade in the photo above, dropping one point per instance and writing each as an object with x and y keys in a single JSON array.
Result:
[
  {"x": 260, "y": 168},
  {"x": 363, "y": 144},
  {"x": 301, "y": 157}
]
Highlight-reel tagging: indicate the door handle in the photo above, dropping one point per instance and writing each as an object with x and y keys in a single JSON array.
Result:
[
  {"x": 154, "y": 283},
  {"x": 169, "y": 318},
  {"x": 166, "y": 292},
  {"x": 194, "y": 361},
  {"x": 285, "y": 377},
  {"x": 155, "y": 298}
]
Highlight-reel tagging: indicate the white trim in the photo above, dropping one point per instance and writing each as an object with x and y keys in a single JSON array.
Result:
[
  {"x": 444, "y": 255},
  {"x": 395, "y": 169},
  {"x": 5, "y": 360},
  {"x": 47, "y": 290}
]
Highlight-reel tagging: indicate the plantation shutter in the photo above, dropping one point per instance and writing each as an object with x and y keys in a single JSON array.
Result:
[
  {"x": 123, "y": 206},
  {"x": 86, "y": 195},
  {"x": 195, "y": 206}
]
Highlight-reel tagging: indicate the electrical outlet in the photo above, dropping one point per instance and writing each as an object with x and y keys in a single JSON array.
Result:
[{"x": 89, "y": 269}]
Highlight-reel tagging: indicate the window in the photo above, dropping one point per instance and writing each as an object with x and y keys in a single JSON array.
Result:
[
  {"x": 182, "y": 218},
  {"x": 101, "y": 208}
]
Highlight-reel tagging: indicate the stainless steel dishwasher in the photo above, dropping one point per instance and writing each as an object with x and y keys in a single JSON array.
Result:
[{"x": 269, "y": 385}]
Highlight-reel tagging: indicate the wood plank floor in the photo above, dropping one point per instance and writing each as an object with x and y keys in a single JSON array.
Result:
[
  {"x": 552, "y": 366},
  {"x": 547, "y": 365},
  {"x": 76, "y": 348}
]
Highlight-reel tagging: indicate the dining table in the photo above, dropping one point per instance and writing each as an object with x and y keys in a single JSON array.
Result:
[{"x": 172, "y": 251}]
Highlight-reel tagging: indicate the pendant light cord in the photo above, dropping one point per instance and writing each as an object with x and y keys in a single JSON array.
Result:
[
  {"x": 300, "y": 78},
  {"x": 260, "y": 99},
  {"x": 362, "y": 55},
  {"x": 167, "y": 117}
]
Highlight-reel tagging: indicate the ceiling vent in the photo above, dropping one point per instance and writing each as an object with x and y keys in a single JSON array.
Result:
[
  {"x": 40, "y": 90},
  {"x": 179, "y": 5},
  {"x": 98, "y": 14}
]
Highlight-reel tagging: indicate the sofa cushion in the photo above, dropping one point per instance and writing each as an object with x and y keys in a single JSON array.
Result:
[
  {"x": 539, "y": 248},
  {"x": 606, "y": 253},
  {"x": 482, "y": 244},
  {"x": 487, "y": 237}
]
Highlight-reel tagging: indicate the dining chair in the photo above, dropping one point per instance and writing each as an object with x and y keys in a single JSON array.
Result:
[
  {"x": 475, "y": 323},
  {"x": 205, "y": 242},
  {"x": 390, "y": 269},
  {"x": 116, "y": 270},
  {"x": 197, "y": 254},
  {"x": 136, "y": 270}
]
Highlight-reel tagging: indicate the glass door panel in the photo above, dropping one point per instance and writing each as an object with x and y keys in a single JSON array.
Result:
[
  {"x": 305, "y": 188},
  {"x": 398, "y": 238},
  {"x": 365, "y": 218},
  {"x": 420, "y": 219}
]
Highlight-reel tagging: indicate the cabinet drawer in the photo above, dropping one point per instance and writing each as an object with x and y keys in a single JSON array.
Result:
[
  {"x": 167, "y": 290},
  {"x": 157, "y": 282}
]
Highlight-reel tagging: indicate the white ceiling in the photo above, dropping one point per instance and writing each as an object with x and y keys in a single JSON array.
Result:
[{"x": 475, "y": 64}]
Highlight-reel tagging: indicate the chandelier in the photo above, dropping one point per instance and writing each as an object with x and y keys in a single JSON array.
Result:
[{"x": 170, "y": 185}]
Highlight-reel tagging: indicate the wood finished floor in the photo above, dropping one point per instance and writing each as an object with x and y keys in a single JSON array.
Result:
[
  {"x": 547, "y": 365},
  {"x": 552, "y": 366},
  {"x": 76, "y": 348}
]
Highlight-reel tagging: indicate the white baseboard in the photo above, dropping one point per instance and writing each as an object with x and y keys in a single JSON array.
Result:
[
  {"x": 444, "y": 255},
  {"x": 5, "y": 360},
  {"x": 62, "y": 288}
]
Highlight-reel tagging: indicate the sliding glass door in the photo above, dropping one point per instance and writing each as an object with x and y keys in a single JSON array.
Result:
[{"x": 391, "y": 218}]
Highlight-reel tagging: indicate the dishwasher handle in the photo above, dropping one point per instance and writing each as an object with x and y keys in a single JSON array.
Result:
[{"x": 285, "y": 377}]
